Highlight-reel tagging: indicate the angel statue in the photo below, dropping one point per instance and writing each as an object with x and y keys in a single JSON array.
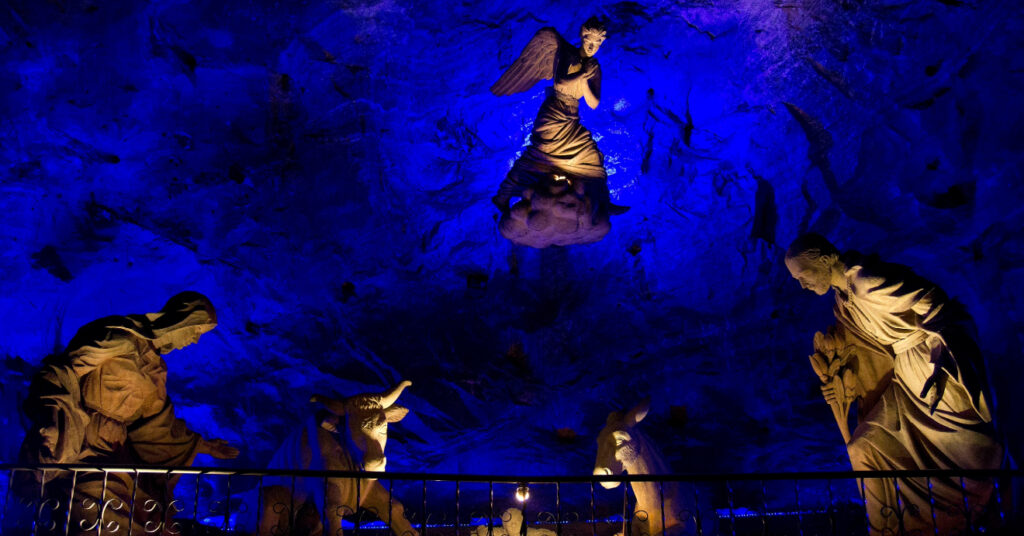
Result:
[{"x": 560, "y": 176}]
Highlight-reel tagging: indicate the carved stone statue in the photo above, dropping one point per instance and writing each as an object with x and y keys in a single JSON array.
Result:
[
  {"x": 622, "y": 447},
  {"x": 562, "y": 169},
  {"x": 349, "y": 436},
  {"x": 104, "y": 400},
  {"x": 934, "y": 413},
  {"x": 512, "y": 525}
]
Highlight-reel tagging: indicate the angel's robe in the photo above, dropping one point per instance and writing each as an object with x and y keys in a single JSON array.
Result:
[
  {"x": 928, "y": 336},
  {"x": 104, "y": 400},
  {"x": 559, "y": 144}
]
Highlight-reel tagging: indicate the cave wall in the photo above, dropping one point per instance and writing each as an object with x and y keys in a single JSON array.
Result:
[{"x": 323, "y": 170}]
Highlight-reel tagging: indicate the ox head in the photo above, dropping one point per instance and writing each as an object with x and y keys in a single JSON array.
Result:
[
  {"x": 367, "y": 417},
  {"x": 617, "y": 447}
]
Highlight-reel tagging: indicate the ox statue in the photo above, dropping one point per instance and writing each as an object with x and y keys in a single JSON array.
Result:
[
  {"x": 349, "y": 436},
  {"x": 621, "y": 447}
]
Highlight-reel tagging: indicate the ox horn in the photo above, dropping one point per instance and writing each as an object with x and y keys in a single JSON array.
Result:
[{"x": 387, "y": 399}]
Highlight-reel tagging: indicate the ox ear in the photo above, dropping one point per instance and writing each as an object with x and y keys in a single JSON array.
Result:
[
  {"x": 638, "y": 413},
  {"x": 395, "y": 413},
  {"x": 336, "y": 407}
]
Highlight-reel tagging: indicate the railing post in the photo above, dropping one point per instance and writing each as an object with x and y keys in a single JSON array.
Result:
[
  {"x": 732, "y": 513},
  {"x": 391, "y": 504},
  {"x": 131, "y": 505},
  {"x": 831, "y": 509},
  {"x": 799, "y": 509},
  {"x": 71, "y": 503},
  {"x": 558, "y": 509},
  {"x": 423, "y": 524},
  {"x": 931, "y": 506},
  {"x": 764, "y": 509},
  {"x": 103, "y": 504},
  {"x": 899, "y": 505},
  {"x": 355, "y": 508},
  {"x": 593, "y": 511},
  {"x": 627, "y": 518},
  {"x": 490, "y": 517},
  {"x": 967, "y": 507},
  {"x": 696, "y": 508},
  {"x": 458, "y": 511},
  {"x": 661, "y": 500}
]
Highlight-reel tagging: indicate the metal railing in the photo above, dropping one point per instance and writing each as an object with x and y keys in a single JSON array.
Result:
[{"x": 99, "y": 500}]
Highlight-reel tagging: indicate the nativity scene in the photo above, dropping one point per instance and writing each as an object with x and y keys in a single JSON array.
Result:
[{"x": 260, "y": 278}]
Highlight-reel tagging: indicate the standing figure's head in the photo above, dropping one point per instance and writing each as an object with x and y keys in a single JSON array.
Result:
[
  {"x": 593, "y": 34},
  {"x": 182, "y": 320},
  {"x": 810, "y": 260}
]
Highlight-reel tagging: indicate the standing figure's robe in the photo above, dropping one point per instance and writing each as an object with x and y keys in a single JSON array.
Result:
[{"x": 928, "y": 336}]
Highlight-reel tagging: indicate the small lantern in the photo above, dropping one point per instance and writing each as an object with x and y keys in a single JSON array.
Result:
[{"x": 522, "y": 493}]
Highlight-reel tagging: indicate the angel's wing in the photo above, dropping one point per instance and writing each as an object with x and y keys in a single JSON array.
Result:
[{"x": 535, "y": 63}]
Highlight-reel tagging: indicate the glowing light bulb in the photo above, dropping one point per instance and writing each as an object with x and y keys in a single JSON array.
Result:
[
  {"x": 522, "y": 493},
  {"x": 560, "y": 178}
]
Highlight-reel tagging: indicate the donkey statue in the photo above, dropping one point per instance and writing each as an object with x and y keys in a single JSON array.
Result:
[
  {"x": 622, "y": 447},
  {"x": 349, "y": 436}
]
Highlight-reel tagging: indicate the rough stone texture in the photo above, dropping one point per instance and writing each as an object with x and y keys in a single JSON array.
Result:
[{"x": 322, "y": 171}]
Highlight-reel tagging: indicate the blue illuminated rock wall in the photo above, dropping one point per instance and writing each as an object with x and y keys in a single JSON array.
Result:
[{"x": 323, "y": 170}]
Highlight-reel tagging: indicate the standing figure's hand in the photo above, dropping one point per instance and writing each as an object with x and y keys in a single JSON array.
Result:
[{"x": 218, "y": 448}]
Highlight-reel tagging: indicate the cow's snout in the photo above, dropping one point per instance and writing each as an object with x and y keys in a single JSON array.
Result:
[
  {"x": 601, "y": 471},
  {"x": 377, "y": 465}
]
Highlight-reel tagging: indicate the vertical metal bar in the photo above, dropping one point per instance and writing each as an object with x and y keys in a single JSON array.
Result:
[
  {"x": 457, "y": 508},
  {"x": 327, "y": 514},
  {"x": 423, "y": 524},
  {"x": 764, "y": 509},
  {"x": 355, "y": 509},
  {"x": 227, "y": 506},
  {"x": 931, "y": 505},
  {"x": 490, "y": 517},
  {"x": 999, "y": 501},
  {"x": 867, "y": 514},
  {"x": 259, "y": 502},
  {"x": 967, "y": 507},
  {"x": 391, "y": 503},
  {"x": 661, "y": 498},
  {"x": 696, "y": 507},
  {"x": 71, "y": 503},
  {"x": 131, "y": 511},
  {"x": 291, "y": 505},
  {"x": 899, "y": 504},
  {"x": 799, "y": 509},
  {"x": 732, "y": 512},
  {"x": 39, "y": 509},
  {"x": 526, "y": 522},
  {"x": 558, "y": 509},
  {"x": 195, "y": 505},
  {"x": 7, "y": 497},
  {"x": 627, "y": 518},
  {"x": 593, "y": 511},
  {"x": 103, "y": 504},
  {"x": 831, "y": 509}
]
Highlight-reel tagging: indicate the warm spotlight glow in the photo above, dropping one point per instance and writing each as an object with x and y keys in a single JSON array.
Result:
[
  {"x": 522, "y": 493},
  {"x": 561, "y": 178}
]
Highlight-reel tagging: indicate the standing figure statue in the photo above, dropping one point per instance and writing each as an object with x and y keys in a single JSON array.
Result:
[
  {"x": 103, "y": 400},
  {"x": 935, "y": 411},
  {"x": 561, "y": 176}
]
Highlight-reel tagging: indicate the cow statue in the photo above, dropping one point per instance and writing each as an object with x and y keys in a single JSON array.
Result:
[
  {"x": 349, "y": 436},
  {"x": 622, "y": 447}
]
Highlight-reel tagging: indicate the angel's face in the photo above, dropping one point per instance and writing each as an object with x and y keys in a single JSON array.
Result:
[{"x": 591, "y": 42}]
